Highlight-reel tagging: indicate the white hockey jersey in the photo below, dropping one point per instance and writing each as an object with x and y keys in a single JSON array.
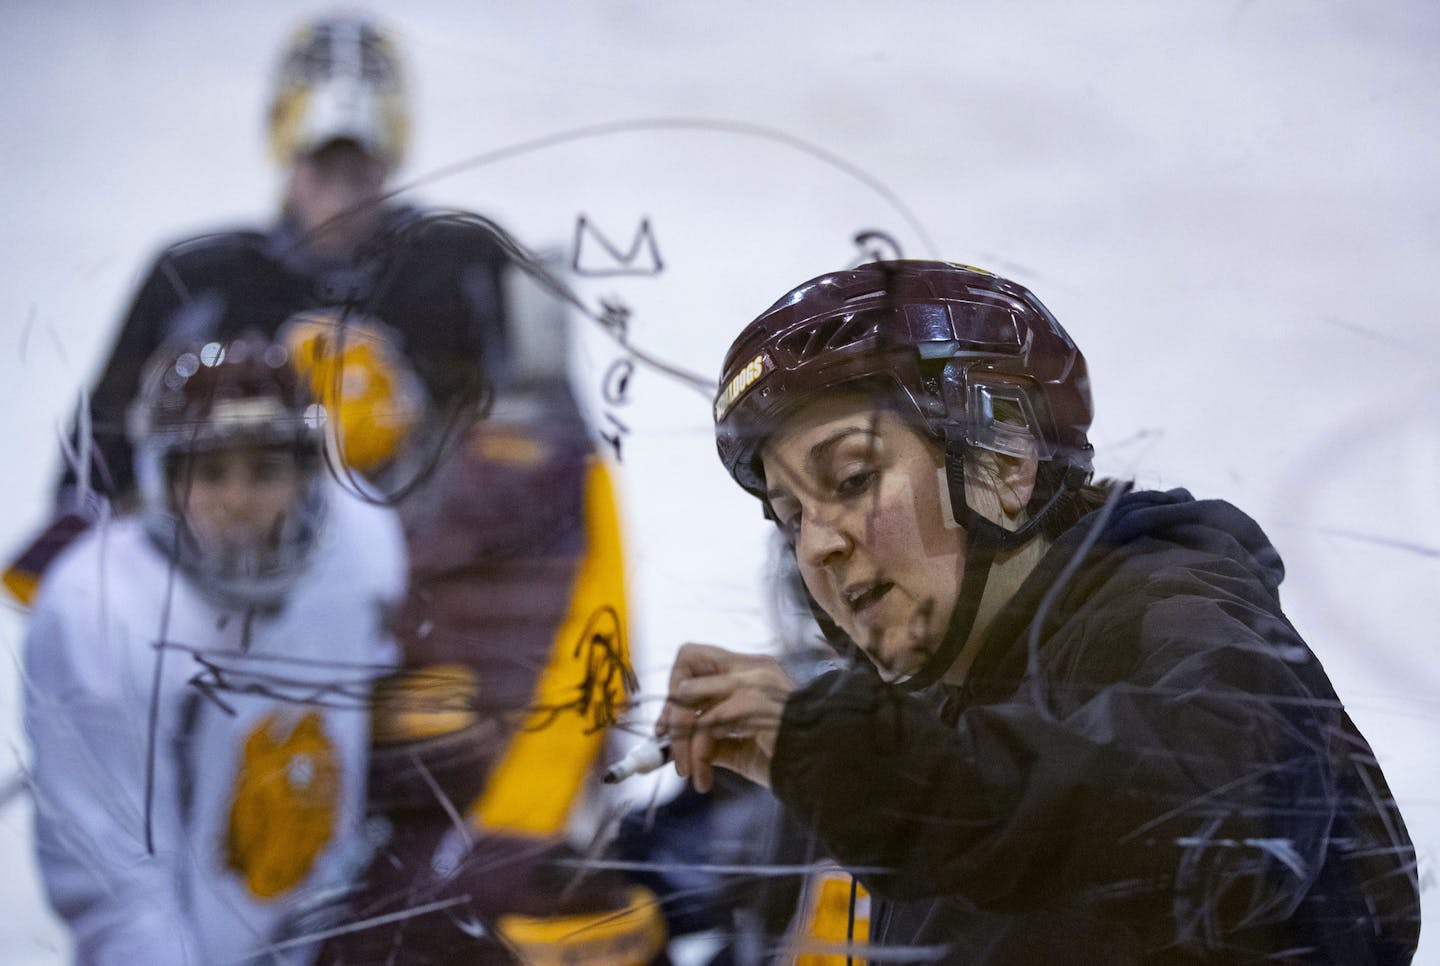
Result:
[{"x": 199, "y": 771}]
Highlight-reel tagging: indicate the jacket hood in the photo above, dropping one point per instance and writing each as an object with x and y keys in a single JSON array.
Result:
[
  {"x": 1140, "y": 534},
  {"x": 1177, "y": 518}
]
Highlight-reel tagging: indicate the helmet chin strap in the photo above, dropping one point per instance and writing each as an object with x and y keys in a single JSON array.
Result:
[
  {"x": 979, "y": 554},
  {"x": 984, "y": 539}
]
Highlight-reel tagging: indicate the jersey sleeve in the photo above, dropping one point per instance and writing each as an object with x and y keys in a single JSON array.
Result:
[{"x": 87, "y": 723}]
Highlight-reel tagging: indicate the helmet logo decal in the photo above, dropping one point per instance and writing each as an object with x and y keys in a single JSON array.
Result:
[{"x": 740, "y": 383}]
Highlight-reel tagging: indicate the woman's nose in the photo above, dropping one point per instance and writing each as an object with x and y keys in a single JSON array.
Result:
[{"x": 823, "y": 539}]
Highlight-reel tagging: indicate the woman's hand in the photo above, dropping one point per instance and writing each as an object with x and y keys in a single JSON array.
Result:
[{"x": 723, "y": 710}]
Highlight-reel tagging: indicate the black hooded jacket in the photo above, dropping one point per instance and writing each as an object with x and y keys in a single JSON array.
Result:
[{"x": 1146, "y": 764}]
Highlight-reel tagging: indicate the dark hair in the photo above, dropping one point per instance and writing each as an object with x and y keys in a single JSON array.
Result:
[{"x": 1075, "y": 504}]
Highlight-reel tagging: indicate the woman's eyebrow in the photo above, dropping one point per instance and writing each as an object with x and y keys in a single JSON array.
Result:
[{"x": 821, "y": 451}]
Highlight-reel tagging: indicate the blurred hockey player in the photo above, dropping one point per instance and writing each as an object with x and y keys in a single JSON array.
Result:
[
  {"x": 339, "y": 126},
  {"x": 198, "y": 676},
  {"x": 514, "y": 640}
]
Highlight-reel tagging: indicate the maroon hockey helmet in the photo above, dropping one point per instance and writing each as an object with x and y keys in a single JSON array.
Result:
[
  {"x": 950, "y": 339},
  {"x": 220, "y": 393},
  {"x": 206, "y": 397}
]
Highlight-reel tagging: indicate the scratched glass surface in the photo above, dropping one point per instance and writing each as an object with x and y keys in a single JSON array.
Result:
[{"x": 1231, "y": 207}]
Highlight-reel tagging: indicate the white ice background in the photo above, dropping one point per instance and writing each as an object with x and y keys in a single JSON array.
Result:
[{"x": 1233, "y": 206}]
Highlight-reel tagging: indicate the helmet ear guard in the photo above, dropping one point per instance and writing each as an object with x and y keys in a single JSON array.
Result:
[
  {"x": 971, "y": 401},
  {"x": 1000, "y": 413}
]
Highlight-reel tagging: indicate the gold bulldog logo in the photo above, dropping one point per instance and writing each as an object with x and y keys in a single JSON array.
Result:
[{"x": 286, "y": 795}]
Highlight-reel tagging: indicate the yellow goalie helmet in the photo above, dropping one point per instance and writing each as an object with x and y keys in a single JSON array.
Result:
[{"x": 339, "y": 79}]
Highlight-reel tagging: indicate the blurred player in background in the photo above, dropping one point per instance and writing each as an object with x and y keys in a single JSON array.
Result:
[
  {"x": 339, "y": 126},
  {"x": 514, "y": 636},
  {"x": 406, "y": 326},
  {"x": 198, "y": 676}
]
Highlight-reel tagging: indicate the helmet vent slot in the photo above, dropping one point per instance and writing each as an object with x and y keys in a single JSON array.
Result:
[{"x": 828, "y": 335}]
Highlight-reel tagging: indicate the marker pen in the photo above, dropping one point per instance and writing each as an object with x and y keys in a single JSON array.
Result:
[{"x": 640, "y": 760}]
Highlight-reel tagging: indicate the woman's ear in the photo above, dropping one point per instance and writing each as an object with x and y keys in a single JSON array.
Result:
[{"x": 1015, "y": 482}]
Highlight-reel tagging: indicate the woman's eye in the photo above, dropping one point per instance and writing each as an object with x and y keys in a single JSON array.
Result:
[{"x": 853, "y": 484}]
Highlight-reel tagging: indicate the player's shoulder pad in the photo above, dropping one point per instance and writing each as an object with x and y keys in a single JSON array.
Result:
[
  {"x": 215, "y": 247},
  {"x": 114, "y": 546},
  {"x": 448, "y": 229}
]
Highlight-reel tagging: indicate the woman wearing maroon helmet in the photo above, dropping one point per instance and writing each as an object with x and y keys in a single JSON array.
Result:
[{"x": 1077, "y": 723}]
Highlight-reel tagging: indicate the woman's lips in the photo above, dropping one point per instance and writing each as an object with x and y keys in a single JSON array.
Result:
[{"x": 865, "y": 599}]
